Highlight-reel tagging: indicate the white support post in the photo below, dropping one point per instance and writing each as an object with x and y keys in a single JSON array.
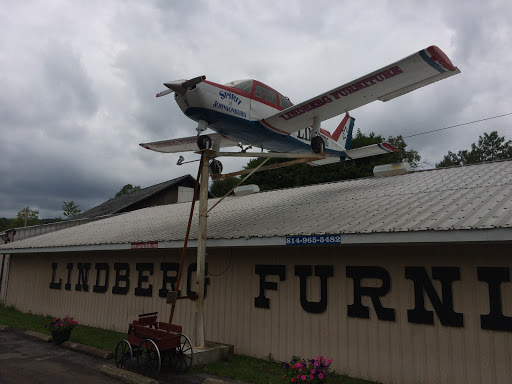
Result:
[
  {"x": 201, "y": 252},
  {"x": 316, "y": 127}
]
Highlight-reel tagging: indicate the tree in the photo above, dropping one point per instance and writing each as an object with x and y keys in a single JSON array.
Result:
[
  {"x": 411, "y": 156},
  {"x": 4, "y": 224},
  {"x": 70, "y": 210},
  {"x": 222, "y": 186},
  {"x": 304, "y": 174},
  {"x": 491, "y": 147},
  {"x": 128, "y": 188},
  {"x": 26, "y": 217}
]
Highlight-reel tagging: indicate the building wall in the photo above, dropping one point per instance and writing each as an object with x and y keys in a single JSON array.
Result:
[{"x": 390, "y": 350}]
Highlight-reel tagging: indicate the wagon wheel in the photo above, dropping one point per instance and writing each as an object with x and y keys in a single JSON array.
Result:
[
  {"x": 182, "y": 355},
  {"x": 124, "y": 353},
  {"x": 148, "y": 358}
]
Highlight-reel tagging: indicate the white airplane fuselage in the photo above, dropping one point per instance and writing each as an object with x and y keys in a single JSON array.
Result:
[{"x": 237, "y": 115}]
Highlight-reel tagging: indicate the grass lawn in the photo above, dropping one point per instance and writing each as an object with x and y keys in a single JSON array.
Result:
[{"x": 243, "y": 368}]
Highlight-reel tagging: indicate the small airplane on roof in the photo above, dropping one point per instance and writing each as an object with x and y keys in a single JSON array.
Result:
[{"x": 250, "y": 113}]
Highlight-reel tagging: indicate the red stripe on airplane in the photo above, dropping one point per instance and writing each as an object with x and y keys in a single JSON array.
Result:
[
  {"x": 389, "y": 147},
  {"x": 265, "y": 123},
  {"x": 440, "y": 57},
  {"x": 337, "y": 133}
]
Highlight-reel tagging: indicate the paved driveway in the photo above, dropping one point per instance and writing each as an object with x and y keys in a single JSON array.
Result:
[
  {"x": 27, "y": 360},
  {"x": 24, "y": 360}
]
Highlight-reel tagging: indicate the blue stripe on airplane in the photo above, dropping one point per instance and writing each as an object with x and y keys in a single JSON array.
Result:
[
  {"x": 251, "y": 132},
  {"x": 430, "y": 62}
]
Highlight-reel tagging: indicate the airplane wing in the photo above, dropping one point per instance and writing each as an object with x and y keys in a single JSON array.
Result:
[
  {"x": 358, "y": 153},
  {"x": 415, "y": 71},
  {"x": 187, "y": 144}
]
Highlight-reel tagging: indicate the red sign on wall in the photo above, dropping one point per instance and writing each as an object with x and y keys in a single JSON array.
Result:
[{"x": 147, "y": 245}]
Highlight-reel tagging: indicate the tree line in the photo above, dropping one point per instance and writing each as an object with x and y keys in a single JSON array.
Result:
[
  {"x": 490, "y": 147},
  {"x": 27, "y": 217}
]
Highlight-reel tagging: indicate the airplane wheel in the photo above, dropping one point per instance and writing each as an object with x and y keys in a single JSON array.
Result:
[
  {"x": 317, "y": 144},
  {"x": 204, "y": 142},
  {"x": 215, "y": 167}
]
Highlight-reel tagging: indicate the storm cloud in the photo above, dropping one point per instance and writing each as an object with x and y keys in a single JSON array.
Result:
[{"x": 79, "y": 80}]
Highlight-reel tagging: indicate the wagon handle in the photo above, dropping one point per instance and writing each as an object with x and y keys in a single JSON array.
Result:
[{"x": 148, "y": 314}]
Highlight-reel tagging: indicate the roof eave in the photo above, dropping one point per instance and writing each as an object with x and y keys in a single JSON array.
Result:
[{"x": 384, "y": 238}]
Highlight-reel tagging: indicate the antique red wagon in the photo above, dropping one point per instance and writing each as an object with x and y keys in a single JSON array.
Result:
[{"x": 151, "y": 341}]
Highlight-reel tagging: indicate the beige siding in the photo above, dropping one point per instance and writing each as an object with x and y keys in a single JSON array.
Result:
[{"x": 388, "y": 351}]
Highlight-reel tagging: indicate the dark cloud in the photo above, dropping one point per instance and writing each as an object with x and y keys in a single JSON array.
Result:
[{"x": 79, "y": 81}]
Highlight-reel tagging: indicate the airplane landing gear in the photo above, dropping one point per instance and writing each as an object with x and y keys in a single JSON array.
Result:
[
  {"x": 215, "y": 167},
  {"x": 204, "y": 142},
  {"x": 317, "y": 144}
]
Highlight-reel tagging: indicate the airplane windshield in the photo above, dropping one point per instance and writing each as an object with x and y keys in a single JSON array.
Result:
[
  {"x": 243, "y": 85},
  {"x": 261, "y": 92}
]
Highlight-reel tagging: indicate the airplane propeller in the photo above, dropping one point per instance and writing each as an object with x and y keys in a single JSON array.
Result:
[{"x": 181, "y": 86}]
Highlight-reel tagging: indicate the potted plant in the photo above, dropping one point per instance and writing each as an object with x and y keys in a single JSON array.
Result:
[{"x": 61, "y": 328}]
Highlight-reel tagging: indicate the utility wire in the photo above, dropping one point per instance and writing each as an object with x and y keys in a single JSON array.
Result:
[{"x": 458, "y": 125}]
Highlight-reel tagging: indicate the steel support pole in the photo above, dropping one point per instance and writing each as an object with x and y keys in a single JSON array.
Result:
[{"x": 201, "y": 252}]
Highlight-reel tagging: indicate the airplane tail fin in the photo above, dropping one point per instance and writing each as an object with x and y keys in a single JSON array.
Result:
[{"x": 343, "y": 134}]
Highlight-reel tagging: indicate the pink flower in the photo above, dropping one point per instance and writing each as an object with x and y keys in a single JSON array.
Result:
[
  {"x": 303, "y": 378},
  {"x": 319, "y": 358},
  {"x": 316, "y": 364},
  {"x": 329, "y": 361},
  {"x": 320, "y": 376},
  {"x": 311, "y": 376},
  {"x": 313, "y": 371}
]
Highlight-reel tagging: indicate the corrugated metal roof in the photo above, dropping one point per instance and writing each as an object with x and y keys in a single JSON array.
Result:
[{"x": 476, "y": 197}]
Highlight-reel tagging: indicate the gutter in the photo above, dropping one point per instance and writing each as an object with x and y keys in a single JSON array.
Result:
[{"x": 387, "y": 238}]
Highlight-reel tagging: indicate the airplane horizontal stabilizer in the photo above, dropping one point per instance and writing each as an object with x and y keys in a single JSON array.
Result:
[
  {"x": 358, "y": 153},
  {"x": 370, "y": 150}
]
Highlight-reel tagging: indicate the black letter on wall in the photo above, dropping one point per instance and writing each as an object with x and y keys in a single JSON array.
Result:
[
  {"x": 193, "y": 268},
  {"x": 83, "y": 277},
  {"x": 119, "y": 267},
  {"x": 495, "y": 320},
  {"x": 143, "y": 267},
  {"x": 444, "y": 308},
  {"x": 97, "y": 287},
  {"x": 53, "y": 284},
  {"x": 322, "y": 271},
  {"x": 68, "y": 284},
  {"x": 166, "y": 267},
  {"x": 358, "y": 309},
  {"x": 263, "y": 270}
]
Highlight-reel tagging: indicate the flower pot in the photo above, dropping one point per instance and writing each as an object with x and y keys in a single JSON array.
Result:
[{"x": 61, "y": 336}]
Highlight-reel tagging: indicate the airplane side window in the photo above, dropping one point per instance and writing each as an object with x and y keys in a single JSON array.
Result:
[
  {"x": 265, "y": 94},
  {"x": 284, "y": 102}
]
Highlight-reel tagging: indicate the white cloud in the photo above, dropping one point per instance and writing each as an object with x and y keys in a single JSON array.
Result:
[{"x": 79, "y": 80}]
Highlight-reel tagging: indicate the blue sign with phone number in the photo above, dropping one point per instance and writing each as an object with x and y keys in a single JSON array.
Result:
[{"x": 310, "y": 240}]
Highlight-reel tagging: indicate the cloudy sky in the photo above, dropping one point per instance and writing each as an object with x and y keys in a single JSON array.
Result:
[{"x": 79, "y": 80}]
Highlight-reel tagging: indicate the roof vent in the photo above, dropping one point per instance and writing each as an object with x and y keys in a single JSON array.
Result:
[
  {"x": 246, "y": 190},
  {"x": 391, "y": 169}
]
